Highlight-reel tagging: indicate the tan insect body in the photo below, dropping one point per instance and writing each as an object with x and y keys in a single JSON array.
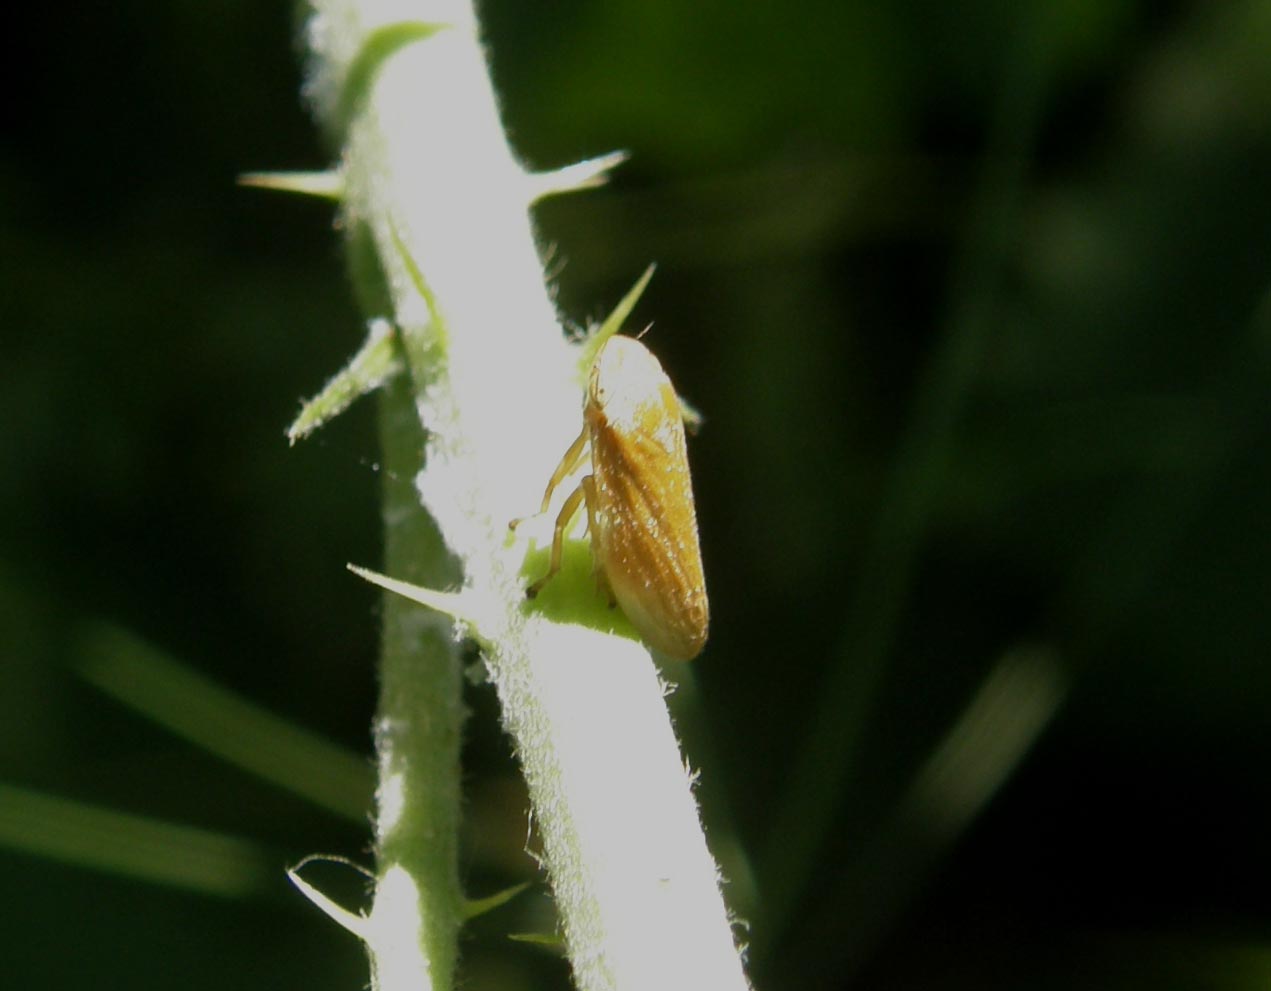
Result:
[{"x": 639, "y": 500}]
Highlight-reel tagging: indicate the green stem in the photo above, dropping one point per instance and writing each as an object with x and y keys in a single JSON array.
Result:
[
  {"x": 417, "y": 733},
  {"x": 432, "y": 187}
]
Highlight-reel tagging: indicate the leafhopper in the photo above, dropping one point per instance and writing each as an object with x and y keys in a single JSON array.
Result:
[{"x": 639, "y": 500}]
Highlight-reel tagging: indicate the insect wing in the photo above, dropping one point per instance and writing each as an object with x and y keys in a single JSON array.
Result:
[{"x": 644, "y": 525}]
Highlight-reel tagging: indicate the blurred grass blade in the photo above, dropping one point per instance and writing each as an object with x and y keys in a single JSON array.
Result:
[
  {"x": 193, "y": 707},
  {"x": 129, "y": 845},
  {"x": 1003, "y": 721},
  {"x": 976, "y": 757},
  {"x": 916, "y": 481}
]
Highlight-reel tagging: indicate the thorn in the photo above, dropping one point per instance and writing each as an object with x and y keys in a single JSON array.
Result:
[
  {"x": 613, "y": 323},
  {"x": 587, "y": 174},
  {"x": 473, "y": 907},
  {"x": 328, "y": 185},
  {"x": 459, "y": 606},
  {"x": 352, "y": 922}
]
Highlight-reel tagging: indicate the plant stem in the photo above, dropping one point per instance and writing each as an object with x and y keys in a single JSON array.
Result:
[{"x": 432, "y": 187}]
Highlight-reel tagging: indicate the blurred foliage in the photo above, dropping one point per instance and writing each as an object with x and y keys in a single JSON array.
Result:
[{"x": 974, "y": 299}]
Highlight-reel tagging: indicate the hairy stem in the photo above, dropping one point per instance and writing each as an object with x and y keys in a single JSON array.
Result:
[{"x": 435, "y": 195}]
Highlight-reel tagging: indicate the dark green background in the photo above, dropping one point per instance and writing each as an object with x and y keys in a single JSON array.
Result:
[{"x": 1018, "y": 247}]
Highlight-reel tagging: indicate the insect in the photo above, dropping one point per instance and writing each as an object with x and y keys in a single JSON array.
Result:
[{"x": 639, "y": 500}]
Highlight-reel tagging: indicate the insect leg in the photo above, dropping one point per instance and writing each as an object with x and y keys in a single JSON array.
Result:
[
  {"x": 566, "y": 514},
  {"x": 567, "y": 465},
  {"x": 588, "y": 485}
]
